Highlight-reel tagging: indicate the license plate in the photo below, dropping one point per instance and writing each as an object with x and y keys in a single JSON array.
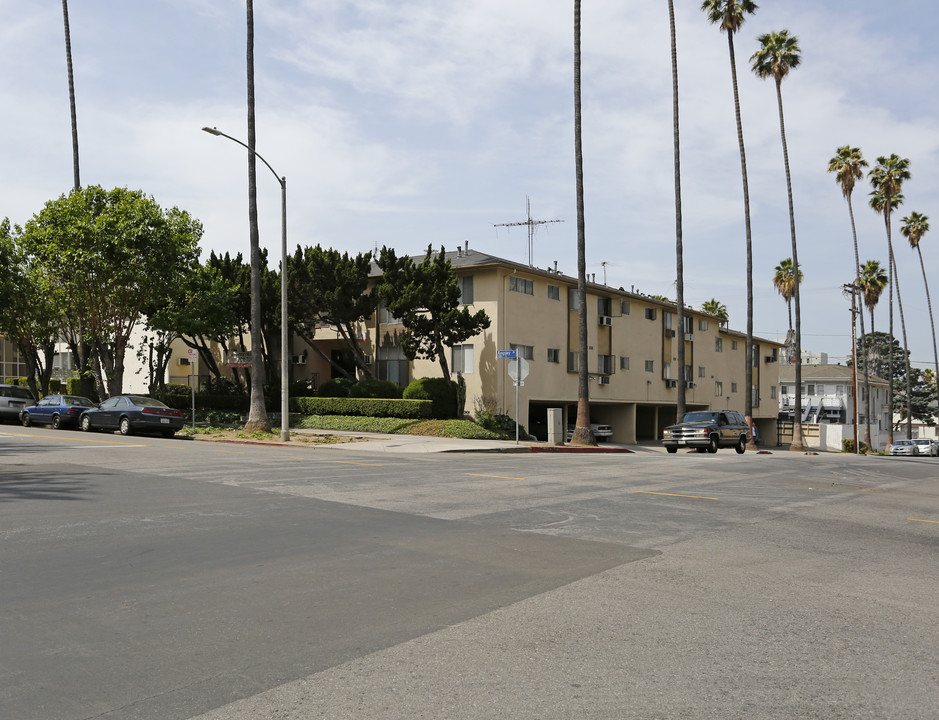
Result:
[{"x": 165, "y": 420}]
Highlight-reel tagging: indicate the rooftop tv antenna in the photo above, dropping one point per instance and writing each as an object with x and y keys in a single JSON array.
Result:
[{"x": 531, "y": 227}]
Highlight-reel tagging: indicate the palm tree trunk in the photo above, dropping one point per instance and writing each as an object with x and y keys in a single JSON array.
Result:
[
  {"x": 748, "y": 402},
  {"x": 867, "y": 380},
  {"x": 71, "y": 97},
  {"x": 582, "y": 433},
  {"x": 932, "y": 323},
  {"x": 906, "y": 351},
  {"x": 257, "y": 413},
  {"x": 680, "y": 268},
  {"x": 798, "y": 443}
]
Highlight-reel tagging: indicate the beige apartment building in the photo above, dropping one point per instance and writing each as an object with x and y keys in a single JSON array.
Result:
[{"x": 632, "y": 352}]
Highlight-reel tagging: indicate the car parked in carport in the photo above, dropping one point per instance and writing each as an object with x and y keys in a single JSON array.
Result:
[
  {"x": 133, "y": 413},
  {"x": 59, "y": 411}
]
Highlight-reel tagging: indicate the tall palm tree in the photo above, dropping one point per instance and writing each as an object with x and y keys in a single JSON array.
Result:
[
  {"x": 730, "y": 16},
  {"x": 887, "y": 178},
  {"x": 779, "y": 53},
  {"x": 71, "y": 96},
  {"x": 582, "y": 435},
  {"x": 848, "y": 165},
  {"x": 257, "y": 412},
  {"x": 680, "y": 267},
  {"x": 915, "y": 225},
  {"x": 784, "y": 280},
  {"x": 872, "y": 280},
  {"x": 715, "y": 308}
]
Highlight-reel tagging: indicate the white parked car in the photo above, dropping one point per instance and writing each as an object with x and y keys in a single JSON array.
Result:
[
  {"x": 903, "y": 447},
  {"x": 600, "y": 431},
  {"x": 927, "y": 446}
]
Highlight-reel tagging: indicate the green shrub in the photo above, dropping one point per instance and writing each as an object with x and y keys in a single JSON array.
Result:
[
  {"x": 362, "y": 407},
  {"x": 55, "y": 386},
  {"x": 336, "y": 387},
  {"x": 375, "y": 389},
  {"x": 847, "y": 446},
  {"x": 440, "y": 392},
  {"x": 177, "y": 389},
  {"x": 500, "y": 424},
  {"x": 223, "y": 386}
]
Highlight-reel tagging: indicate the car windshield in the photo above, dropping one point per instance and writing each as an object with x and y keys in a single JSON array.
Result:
[
  {"x": 700, "y": 417},
  {"x": 146, "y": 402},
  {"x": 903, "y": 442}
]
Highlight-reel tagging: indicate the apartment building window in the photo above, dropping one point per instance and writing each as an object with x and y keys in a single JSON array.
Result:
[
  {"x": 650, "y": 365},
  {"x": 461, "y": 359},
  {"x": 702, "y": 325},
  {"x": 772, "y": 392},
  {"x": 605, "y": 364},
  {"x": 689, "y": 325},
  {"x": 604, "y": 306},
  {"x": 667, "y": 370},
  {"x": 521, "y": 285},
  {"x": 718, "y": 344},
  {"x": 733, "y": 344},
  {"x": 554, "y": 355},
  {"x": 701, "y": 371},
  {"x": 650, "y": 313},
  {"x": 687, "y": 373},
  {"x": 718, "y": 389},
  {"x": 526, "y": 352},
  {"x": 466, "y": 289},
  {"x": 624, "y": 307},
  {"x": 667, "y": 320},
  {"x": 820, "y": 389},
  {"x": 624, "y": 363},
  {"x": 554, "y": 292},
  {"x": 733, "y": 387},
  {"x": 573, "y": 361}
]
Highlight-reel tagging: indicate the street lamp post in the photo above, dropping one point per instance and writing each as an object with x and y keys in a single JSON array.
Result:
[{"x": 284, "y": 359}]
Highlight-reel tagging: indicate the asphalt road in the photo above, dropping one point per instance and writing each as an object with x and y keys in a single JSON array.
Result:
[{"x": 151, "y": 578}]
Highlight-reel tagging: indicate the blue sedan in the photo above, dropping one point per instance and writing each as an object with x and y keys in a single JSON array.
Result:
[
  {"x": 59, "y": 411},
  {"x": 133, "y": 413}
]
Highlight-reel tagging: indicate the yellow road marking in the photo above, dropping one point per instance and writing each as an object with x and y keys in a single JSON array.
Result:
[
  {"x": 70, "y": 438},
  {"x": 501, "y": 477},
  {"x": 697, "y": 497},
  {"x": 918, "y": 520}
]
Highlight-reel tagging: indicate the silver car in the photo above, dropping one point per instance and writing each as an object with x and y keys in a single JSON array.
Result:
[
  {"x": 903, "y": 447},
  {"x": 13, "y": 398},
  {"x": 927, "y": 446}
]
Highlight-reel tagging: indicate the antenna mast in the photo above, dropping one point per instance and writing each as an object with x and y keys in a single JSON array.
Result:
[{"x": 531, "y": 227}]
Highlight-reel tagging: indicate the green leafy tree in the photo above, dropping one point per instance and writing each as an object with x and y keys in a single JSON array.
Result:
[
  {"x": 106, "y": 254},
  {"x": 848, "y": 165},
  {"x": 915, "y": 225},
  {"x": 329, "y": 288},
  {"x": 28, "y": 314},
  {"x": 779, "y": 53},
  {"x": 887, "y": 178},
  {"x": 425, "y": 296}
]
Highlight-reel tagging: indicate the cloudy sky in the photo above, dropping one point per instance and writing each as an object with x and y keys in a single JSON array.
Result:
[{"x": 415, "y": 122}]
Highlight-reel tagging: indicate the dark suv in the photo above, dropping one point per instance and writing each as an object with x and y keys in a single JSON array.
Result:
[{"x": 708, "y": 430}]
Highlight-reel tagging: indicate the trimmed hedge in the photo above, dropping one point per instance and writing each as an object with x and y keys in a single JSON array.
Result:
[
  {"x": 441, "y": 393},
  {"x": 363, "y": 407},
  {"x": 375, "y": 389}
]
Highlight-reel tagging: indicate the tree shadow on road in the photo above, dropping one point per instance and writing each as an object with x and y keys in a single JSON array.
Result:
[{"x": 24, "y": 484}]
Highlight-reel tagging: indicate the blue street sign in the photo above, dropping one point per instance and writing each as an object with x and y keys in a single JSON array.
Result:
[{"x": 510, "y": 354}]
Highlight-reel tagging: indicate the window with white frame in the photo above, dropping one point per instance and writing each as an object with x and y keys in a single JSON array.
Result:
[
  {"x": 461, "y": 359},
  {"x": 718, "y": 389}
]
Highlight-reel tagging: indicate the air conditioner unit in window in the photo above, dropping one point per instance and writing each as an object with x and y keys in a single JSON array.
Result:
[
  {"x": 690, "y": 385},
  {"x": 769, "y": 359},
  {"x": 689, "y": 337},
  {"x": 298, "y": 359},
  {"x": 182, "y": 361},
  {"x": 606, "y": 320},
  {"x": 669, "y": 333},
  {"x": 671, "y": 383},
  {"x": 603, "y": 380}
]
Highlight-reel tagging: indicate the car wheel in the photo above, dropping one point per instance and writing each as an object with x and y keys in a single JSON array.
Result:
[
  {"x": 26, "y": 420},
  {"x": 671, "y": 450},
  {"x": 712, "y": 446},
  {"x": 56, "y": 422},
  {"x": 741, "y": 446},
  {"x": 701, "y": 450},
  {"x": 125, "y": 426},
  {"x": 86, "y": 423}
]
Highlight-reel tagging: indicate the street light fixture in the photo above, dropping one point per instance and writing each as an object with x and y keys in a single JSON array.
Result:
[{"x": 284, "y": 391}]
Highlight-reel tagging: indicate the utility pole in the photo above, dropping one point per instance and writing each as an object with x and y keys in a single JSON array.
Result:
[
  {"x": 531, "y": 227},
  {"x": 853, "y": 289}
]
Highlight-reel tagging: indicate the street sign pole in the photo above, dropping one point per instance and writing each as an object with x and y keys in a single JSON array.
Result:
[{"x": 518, "y": 381}]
